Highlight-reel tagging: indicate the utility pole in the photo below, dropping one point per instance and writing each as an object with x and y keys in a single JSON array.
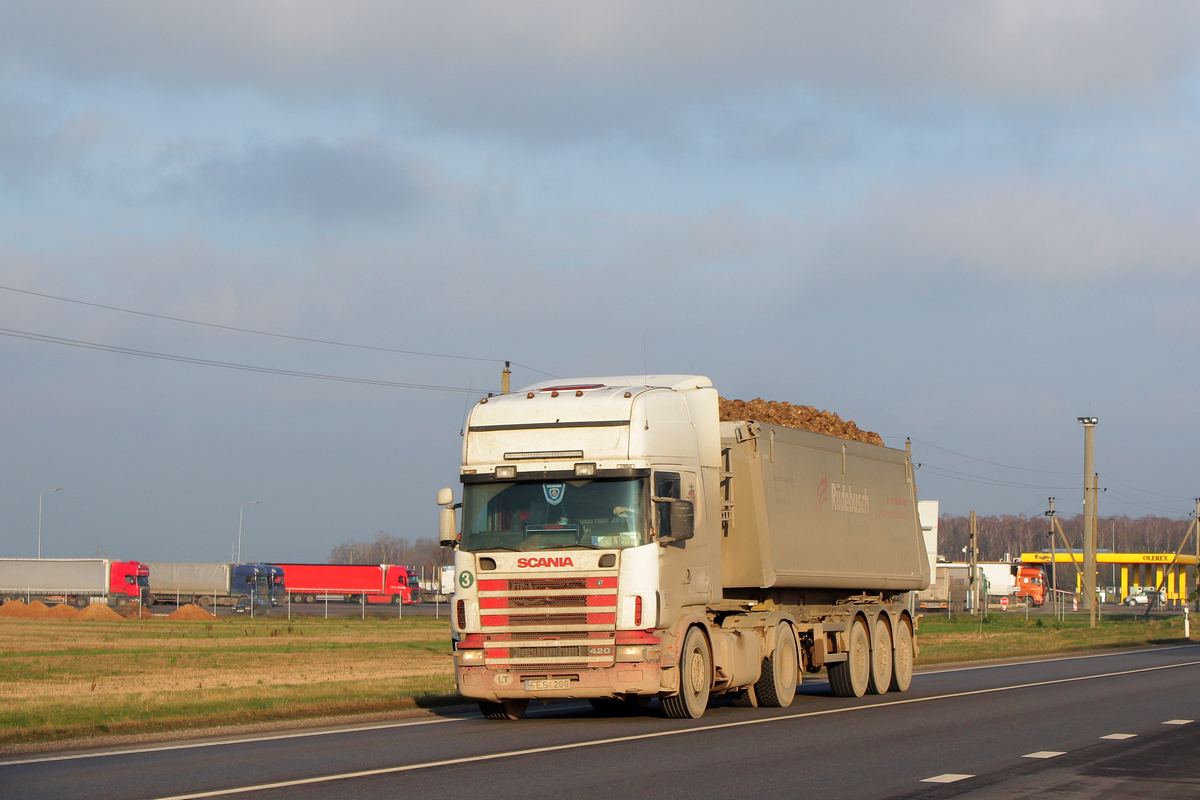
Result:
[
  {"x": 1089, "y": 518},
  {"x": 1196, "y": 577},
  {"x": 972, "y": 555},
  {"x": 1053, "y": 559},
  {"x": 1096, "y": 533}
]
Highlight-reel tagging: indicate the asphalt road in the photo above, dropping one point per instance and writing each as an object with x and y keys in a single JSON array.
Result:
[{"x": 1123, "y": 724}]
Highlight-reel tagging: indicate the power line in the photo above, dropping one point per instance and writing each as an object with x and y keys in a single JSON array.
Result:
[
  {"x": 967, "y": 477},
  {"x": 268, "y": 333},
  {"x": 993, "y": 463},
  {"x": 223, "y": 364},
  {"x": 1145, "y": 491}
]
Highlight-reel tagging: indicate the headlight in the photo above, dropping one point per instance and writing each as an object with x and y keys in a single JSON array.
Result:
[
  {"x": 631, "y": 652},
  {"x": 468, "y": 658}
]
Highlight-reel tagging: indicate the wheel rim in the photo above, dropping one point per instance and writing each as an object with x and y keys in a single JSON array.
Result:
[{"x": 696, "y": 671}]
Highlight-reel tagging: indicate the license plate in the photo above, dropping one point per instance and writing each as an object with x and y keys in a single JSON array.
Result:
[{"x": 541, "y": 686}]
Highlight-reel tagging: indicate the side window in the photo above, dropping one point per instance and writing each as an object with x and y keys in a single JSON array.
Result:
[
  {"x": 666, "y": 485},
  {"x": 129, "y": 579}
]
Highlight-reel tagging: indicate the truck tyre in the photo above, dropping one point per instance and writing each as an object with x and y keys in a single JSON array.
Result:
[
  {"x": 204, "y": 602},
  {"x": 396, "y": 599},
  {"x": 777, "y": 686},
  {"x": 310, "y": 598},
  {"x": 881, "y": 658},
  {"x": 695, "y": 679},
  {"x": 507, "y": 709},
  {"x": 849, "y": 678},
  {"x": 902, "y": 661}
]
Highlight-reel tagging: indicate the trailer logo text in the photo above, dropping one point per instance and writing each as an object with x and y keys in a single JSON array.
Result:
[
  {"x": 562, "y": 561},
  {"x": 842, "y": 497}
]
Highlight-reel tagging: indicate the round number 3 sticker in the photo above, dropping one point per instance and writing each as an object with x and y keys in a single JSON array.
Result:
[{"x": 465, "y": 579}]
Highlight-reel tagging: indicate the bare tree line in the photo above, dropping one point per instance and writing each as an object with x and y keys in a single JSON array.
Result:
[
  {"x": 1000, "y": 536},
  {"x": 388, "y": 549}
]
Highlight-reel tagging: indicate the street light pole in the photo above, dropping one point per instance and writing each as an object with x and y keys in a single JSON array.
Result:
[
  {"x": 1089, "y": 517},
  {"x": 241, "y": 511},
  {"x": 59, "y": 489}
]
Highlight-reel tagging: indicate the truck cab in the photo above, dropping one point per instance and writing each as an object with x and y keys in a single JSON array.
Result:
[
  {"x": 1031, "y": 584},
  {"x": 130, "y": 582}
]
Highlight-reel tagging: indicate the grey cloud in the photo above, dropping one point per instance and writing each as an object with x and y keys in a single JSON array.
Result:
[
  {"x": 547, "y": 68},
  {"x": 33, "y": 144},
  {"x": 1020, "y": 232},
  {"x": 326, "y": 183}
]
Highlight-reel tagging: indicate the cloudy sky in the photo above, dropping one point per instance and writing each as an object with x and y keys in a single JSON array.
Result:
[{"x": 964, "y": 223}]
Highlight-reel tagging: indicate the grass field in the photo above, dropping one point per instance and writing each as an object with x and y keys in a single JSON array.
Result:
[
  {"x": 965, "y": 638},
  {"x": 70, "y": 679}
]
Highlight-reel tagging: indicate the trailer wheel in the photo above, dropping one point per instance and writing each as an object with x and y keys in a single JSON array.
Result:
[
  {"x": 881, "y": 658},
  {"x": 777, "y": 686},
  {"x": 310, "y": 598},
  {"x": 902, "y": 662},
  {"x": 507, "y": 709},
  {"x": 849, "y": 678},
  {"x": 204, "y": 602},
  {"x": 80, "y": 602},
  {"x": 695, "y": 679}
]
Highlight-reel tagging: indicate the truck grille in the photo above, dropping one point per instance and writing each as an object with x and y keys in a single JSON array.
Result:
[{"x": 549, "y": 623}]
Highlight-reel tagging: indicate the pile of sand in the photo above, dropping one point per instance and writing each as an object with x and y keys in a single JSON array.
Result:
[
  {"x": 63, "y": 611},
  {"x": 191, "y": 613},
  {"x": 134, "y": 610},
  {"x": 805, "y": 418},
  {"x": 39, "y": 609},
  {"x": 15, "y": 608},
  {"x": 98, "y": 611}
]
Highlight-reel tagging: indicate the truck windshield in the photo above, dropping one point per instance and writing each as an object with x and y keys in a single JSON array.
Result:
[{"x": 542, "y": 515}]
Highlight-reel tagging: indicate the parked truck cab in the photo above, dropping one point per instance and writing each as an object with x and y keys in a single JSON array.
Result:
[
  {"x": 619, "y": 543},
  {"x": 130, "y": 580}
]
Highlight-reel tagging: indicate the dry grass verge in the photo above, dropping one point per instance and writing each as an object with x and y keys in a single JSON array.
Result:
[
  {"x": 63, "y": 678},
  {"x": 965, "y": 638}
]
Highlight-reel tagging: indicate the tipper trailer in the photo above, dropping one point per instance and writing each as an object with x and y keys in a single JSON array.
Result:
[
  {"x": 206, "y": 584},
  {"x": 620, "y": 543},
  {"x": 378, "y": 583},
  {"x": 77, "y": 581}
]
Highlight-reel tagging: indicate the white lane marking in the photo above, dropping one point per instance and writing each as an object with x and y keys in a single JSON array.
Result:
[
  {"x": 1119, "y": 736},
  {"x": 223, "y": 742},
  {"x": 656, "y": 735},
  {"x": 949, "y": 777},
  {"x": 1179, "y": 722},
  {"x": 1045, "y": 754},
  {"x": 1054, "y": 660}
]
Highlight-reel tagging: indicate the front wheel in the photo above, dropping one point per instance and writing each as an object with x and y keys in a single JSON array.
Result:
[
  {"x": 396, "y": 599},
  {"x": 695, "y": 679},
  {"x": 506, "y": 709},
  {"x": 776, "y": 688}
]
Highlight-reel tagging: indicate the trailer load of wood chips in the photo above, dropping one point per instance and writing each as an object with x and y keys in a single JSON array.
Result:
[{"x": 805, "y": 418}]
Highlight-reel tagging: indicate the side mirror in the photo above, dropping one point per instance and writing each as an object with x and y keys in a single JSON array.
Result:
[
  {"x": 683, "y": 520},
  {"x": 447, "y": 527},
  {"x": 680, "y": 521},
  {"x": 445, "y": 497}
]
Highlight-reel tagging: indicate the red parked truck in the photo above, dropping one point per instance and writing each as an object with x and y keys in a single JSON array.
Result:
[
  {"x": 379, "y": 583},
  {"x": 78, "y": 581}
]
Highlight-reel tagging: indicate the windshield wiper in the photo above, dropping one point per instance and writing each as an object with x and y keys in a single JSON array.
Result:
[
  {"x": 497, "y": 547},
  {"x": 572, "y": 546}
]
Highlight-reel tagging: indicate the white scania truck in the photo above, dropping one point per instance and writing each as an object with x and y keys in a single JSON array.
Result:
[{"x": 620, "y": 543}]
